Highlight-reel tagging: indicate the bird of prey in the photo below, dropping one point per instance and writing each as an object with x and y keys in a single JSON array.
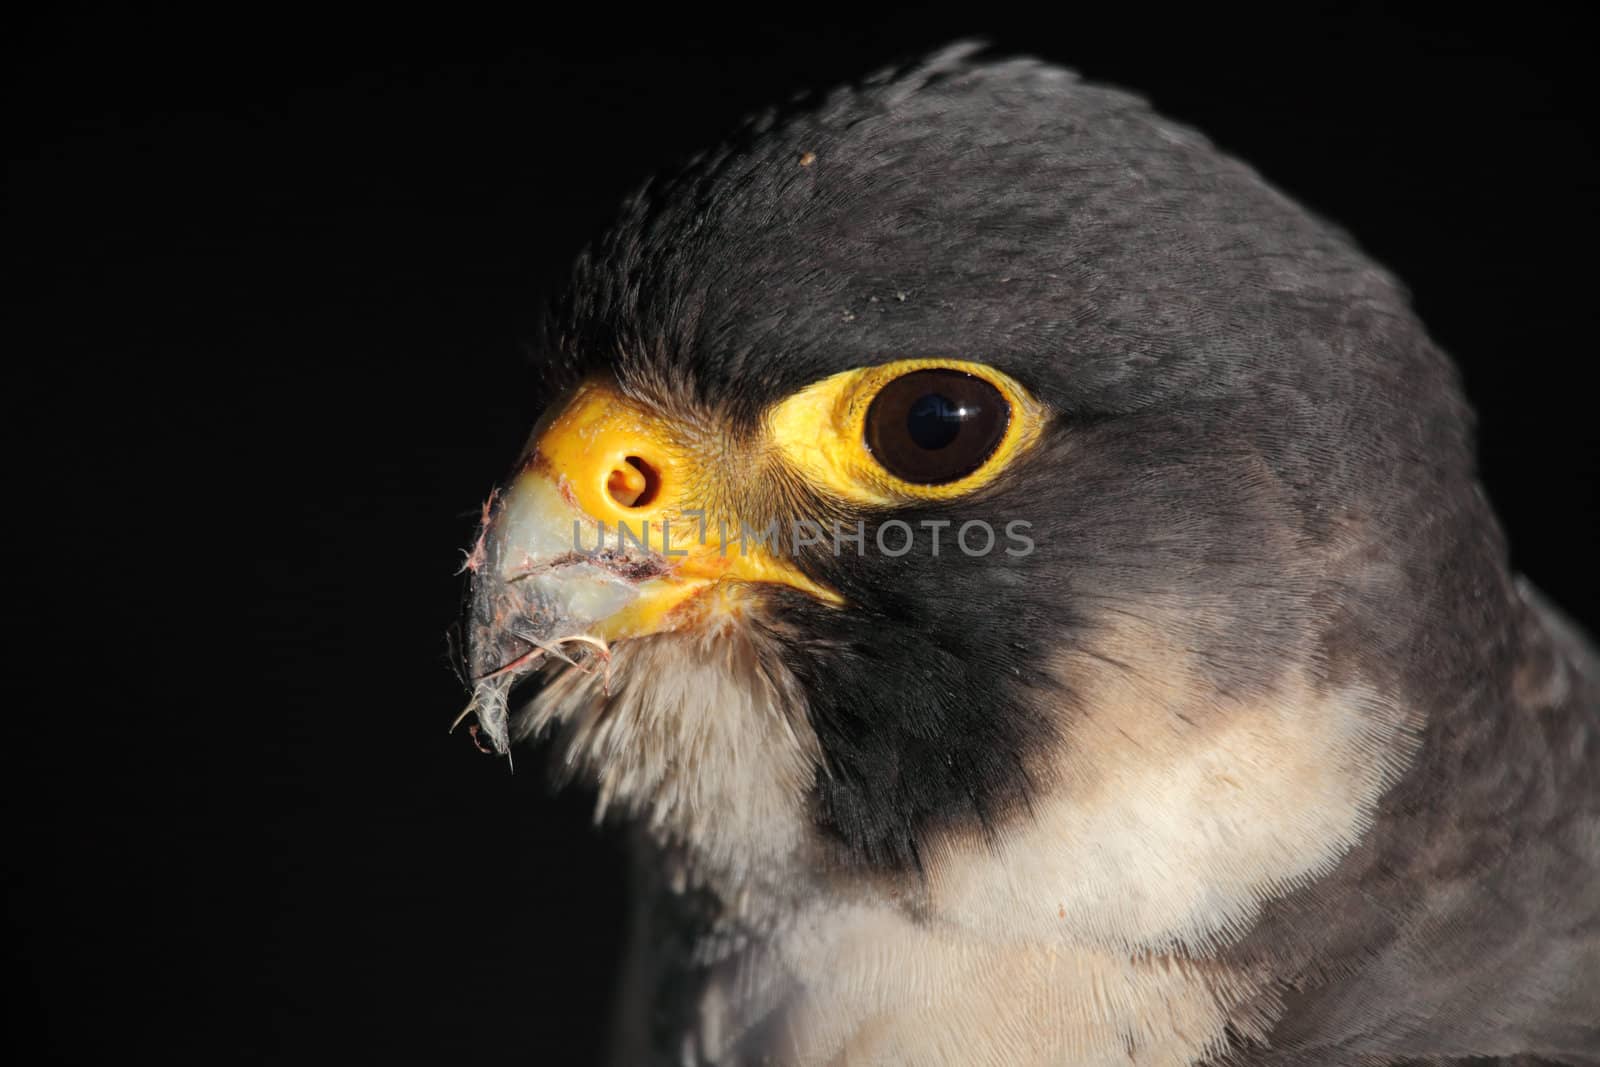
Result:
[{"x": 1025, "y": 581}]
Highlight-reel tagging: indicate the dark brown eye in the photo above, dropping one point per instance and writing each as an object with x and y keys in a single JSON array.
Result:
[{"x": 936, "y": 426}]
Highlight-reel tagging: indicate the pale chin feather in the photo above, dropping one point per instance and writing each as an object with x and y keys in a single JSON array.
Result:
[{"x": 699, "y": 735}]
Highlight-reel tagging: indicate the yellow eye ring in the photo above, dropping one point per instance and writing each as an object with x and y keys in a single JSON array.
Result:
[{"x": 822, "y": 432}]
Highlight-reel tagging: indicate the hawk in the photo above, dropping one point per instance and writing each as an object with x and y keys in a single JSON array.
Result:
[{"x": 1026, "y": 582}]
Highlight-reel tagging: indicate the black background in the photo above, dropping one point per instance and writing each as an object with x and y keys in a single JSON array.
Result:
[{"x": 275, "y": 273}]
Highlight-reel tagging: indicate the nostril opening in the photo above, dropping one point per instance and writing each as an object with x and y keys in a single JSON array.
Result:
[{"x": 633, "y": 483}]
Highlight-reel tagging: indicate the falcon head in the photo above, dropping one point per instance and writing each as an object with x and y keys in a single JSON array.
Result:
[{"x": 981, "y": 491}]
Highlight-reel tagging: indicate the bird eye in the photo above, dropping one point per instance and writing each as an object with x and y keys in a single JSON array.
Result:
[{"x": 930, "y": 427}]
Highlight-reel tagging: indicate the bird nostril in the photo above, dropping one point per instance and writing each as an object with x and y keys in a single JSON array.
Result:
[{"x": 633, "y": 483}]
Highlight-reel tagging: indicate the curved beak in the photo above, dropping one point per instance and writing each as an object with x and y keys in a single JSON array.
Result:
[{"x": 600, "y": 537}]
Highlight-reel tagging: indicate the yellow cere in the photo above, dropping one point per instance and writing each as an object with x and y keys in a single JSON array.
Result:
[
  {"x": 820, "y": 431},
  {"x": 590, "y": 444},
  {"x": 619, "y": 463}
]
